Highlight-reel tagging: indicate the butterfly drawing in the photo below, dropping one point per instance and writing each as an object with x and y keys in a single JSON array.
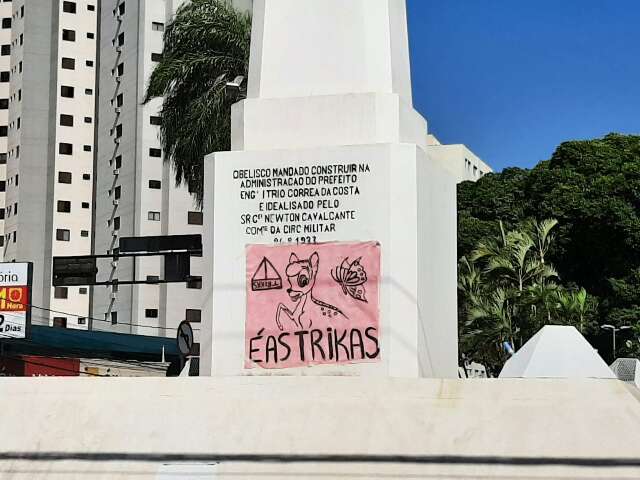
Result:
[{"x": 351, "y": 277}]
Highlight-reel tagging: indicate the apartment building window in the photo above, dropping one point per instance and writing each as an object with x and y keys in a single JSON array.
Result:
[
  {"x": 6, "y": 22},
  {"x": 15, "y": 237},
  {"x": 15, "y": 208},
  {"x": 5, "y": 77},
  {"x": 86, "y": 176},
  {"x": 155, "y": 120},
  {"x": 151, "y": 313},
  {"x": 68, "y": 63},
  {"x": 121, "y": 8},
  {"x": 193, "y": 315},
  {"x": 60, "y": 322},
  {"x": 21, "y": 39},
  {"x": 121, "y": 39},
  {"x": 85, "y": 204},
  {"x": 119, "y": 161},
  {"x": 84, "y": 233},
  {"x": 88, "y": 120},
  {"x": 3, "y": 158},
  {"x": 155, "y": 184},
  {"x": 194, "y": 218},
  {"x": 91, "y": 8},
  {"x": 63, "y": 235},
  {"x": 69, "y": 7},
  {"x": 82, "y": 320},
  {"x": 20, "y": 95},
  {"x": 117, "y": 192},
  {"x": 18, "y": 123},
  {"x": 3, "y": 186},
  {"x": 86, "y": 148},
  {"x": 114, "y": 318},
  {"x": 153, "y": 278},
  {"x": 4, "y": 103},
  {"x": 17, "y": 178},
  {"x": 66, "y": 120},
  {"x": 157, "y": 26},
  {"x": 5, "y": 50},
  {"x": 116, "y": 223},
  {"x": 154, "y": 216},
  {"x": 64, "y": 206},
  {"x": 69, "y": 35},
  {"x": 22, "y": 11},
  {"x": 60, "y": 292},
  {"x": 118, "y": 131},
  {"x": 3, "y": 130},
  {"x": 156, "y": 57},
  {"x": 121, "y": 69},
  {"x": 65, "y": 149},
  {"x": 66, "y": 91},
  {"x": 119, "y": 100},
  {"x": 64, "y": 177},
  {"x": 2, "y": 241},
  {"x": 82, "y": 290},
  {"x": 91, "y": 35},
  {"x": 194, "y": 283},
  {"x": 20, "y": 66},
  {"x": 89, "y": 63},
  {"x": 155, "y": 152},
  {"x": 88, "y": 91},
  {"x": 1, "y": 213}
]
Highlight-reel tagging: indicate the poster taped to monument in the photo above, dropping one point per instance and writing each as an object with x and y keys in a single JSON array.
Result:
[{"x": 312, "y": 304}]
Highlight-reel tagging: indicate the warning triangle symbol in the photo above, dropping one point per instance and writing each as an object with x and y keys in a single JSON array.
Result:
[{"x": 266, "y": 277}]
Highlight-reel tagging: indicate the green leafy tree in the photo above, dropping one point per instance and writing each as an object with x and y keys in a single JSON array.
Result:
[
  {"x": 592, "y": 187},
  {"x": 205, "y": 47},
  {"x": 508, "y": 291}
]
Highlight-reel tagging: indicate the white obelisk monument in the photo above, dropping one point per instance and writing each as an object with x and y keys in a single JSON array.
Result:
[{"x": 329, "y": 159}]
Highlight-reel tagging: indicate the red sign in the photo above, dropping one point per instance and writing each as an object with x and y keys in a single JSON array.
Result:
[
  {"x": 30, "y": 366},
  {"x": 14, "y": 299}
]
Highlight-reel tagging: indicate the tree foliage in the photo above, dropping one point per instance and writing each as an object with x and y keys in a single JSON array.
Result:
[
  {"x": 592, "y": 188},
  {"x": 508, "y": 291},
  {"x": 205, "y": 46}
]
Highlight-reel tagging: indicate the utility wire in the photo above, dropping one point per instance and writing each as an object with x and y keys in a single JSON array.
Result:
[{"x": 96, "y": 319}]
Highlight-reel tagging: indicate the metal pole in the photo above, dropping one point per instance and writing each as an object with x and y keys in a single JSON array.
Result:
[{"x": 613, "y": 332}]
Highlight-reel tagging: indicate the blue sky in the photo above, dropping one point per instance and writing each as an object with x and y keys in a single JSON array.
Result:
[{"x": 514, "y": 78}]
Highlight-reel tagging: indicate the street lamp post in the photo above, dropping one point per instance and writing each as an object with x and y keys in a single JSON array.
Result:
[{"x": 614, "y": 330}]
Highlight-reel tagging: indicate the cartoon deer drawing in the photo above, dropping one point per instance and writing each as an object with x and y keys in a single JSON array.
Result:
[{"x": 302, "y": 275}]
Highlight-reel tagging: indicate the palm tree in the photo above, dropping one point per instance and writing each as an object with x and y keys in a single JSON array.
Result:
[
  {"x": 205, "y": 47},
  {"x": 540, "y": 233}
]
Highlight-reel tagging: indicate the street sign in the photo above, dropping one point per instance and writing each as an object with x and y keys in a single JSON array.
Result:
[
  {"x": 15, "y": 299},
  {"x": 164, "y": 243},
  {"x": 74, "y": 271},
  {"x": 185, "y": 338}
]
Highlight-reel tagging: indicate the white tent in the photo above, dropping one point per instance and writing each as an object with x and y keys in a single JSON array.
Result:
[
  {"x": 627, "y": 370},
  {"x": 556, "y": 352}
]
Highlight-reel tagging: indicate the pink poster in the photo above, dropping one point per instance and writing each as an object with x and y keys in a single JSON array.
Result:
[{"x": 312, "y": 304}]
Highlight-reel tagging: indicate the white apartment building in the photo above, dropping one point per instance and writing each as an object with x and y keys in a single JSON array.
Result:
[
  {"x": 135, "y": 188},
  {"x": 6, "y": 13},
  {"x": 48, "y": 176},
  {"x": 461, "y": 162}
]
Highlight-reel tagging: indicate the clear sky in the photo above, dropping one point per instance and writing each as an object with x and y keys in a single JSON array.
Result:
[{"x": 512, "y": 79}]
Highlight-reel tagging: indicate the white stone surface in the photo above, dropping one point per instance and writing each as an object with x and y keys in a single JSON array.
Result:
[
  {"x": 556, "y": 351},
  {"x": 305, "y": 48},
  {"x": 419, "y": 335},
  {"x": 329, "y": 84},
  {"x": 531, "y": 419}
]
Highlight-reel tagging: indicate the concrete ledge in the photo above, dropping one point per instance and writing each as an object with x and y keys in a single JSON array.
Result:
[
  {"x": 279, "y": 427},
  {"x": 325, "y": 120}
]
